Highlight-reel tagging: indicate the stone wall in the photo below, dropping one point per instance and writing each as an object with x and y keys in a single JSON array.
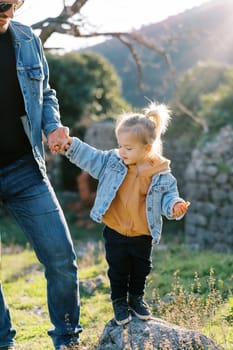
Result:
[{"x": 209, "y": 188}]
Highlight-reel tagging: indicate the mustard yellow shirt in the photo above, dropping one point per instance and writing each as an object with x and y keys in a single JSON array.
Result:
[{"x": 127, "y": 212}]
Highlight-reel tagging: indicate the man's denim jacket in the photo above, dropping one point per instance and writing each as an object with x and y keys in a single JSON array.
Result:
[
  {"x": 109, "y": 169},
  {"x": 41, "y": 105}
]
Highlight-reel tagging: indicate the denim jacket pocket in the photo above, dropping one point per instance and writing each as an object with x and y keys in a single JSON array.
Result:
[
  {"x": 35, "y": 73},
  {"x": 36, "y": 77}
]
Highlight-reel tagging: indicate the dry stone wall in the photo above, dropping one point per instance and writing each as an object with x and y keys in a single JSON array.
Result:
[{"x": 209, "y": 188}]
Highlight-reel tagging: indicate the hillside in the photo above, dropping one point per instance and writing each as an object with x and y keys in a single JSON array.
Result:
[{"x": 200, "y": 34}]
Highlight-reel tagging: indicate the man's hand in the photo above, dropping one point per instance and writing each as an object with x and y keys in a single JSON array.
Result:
[{"x": 58, "y": 138}]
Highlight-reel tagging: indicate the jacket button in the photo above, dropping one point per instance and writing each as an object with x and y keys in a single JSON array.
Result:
[{"x": 149, "y": 209}]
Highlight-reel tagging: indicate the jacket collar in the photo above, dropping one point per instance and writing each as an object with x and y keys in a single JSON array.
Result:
[{"x": 20, "y": 32}]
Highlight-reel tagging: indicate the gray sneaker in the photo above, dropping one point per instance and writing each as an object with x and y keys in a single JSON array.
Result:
[
  {"x": 121, "y": 311},
  {"x": 139, "y": 307}
]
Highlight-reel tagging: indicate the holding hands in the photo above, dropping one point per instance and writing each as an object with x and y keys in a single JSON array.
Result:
[{"x": 59, "y": 140}]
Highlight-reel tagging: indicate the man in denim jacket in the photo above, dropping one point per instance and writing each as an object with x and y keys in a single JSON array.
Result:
[{"x": 29, "y": 107}]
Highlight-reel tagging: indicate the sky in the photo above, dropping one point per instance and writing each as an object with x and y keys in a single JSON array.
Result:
[{"x": 106, "y": 15}]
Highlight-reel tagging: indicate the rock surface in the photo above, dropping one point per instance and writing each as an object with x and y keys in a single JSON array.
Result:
[{"x": 154, "y": 334}]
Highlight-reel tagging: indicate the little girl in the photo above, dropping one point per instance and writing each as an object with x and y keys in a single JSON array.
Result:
[{"x": 135, "y": 189}]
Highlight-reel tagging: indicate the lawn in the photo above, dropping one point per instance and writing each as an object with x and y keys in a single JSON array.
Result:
[{"x": 184, "y": 287}]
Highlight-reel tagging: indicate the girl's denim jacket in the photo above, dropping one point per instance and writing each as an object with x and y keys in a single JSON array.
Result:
[
  {"x": 41, "y": 105},
  {"x": 109, "y": 169}
]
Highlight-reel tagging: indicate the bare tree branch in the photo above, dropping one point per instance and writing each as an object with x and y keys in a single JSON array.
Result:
[
  {"x": 62, "y": 23},
  {"x": 68, "y": 23},
  {"x": 136, "y": 58}
]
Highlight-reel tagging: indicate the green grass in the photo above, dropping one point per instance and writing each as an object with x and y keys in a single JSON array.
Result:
[
  {"x": 24, "y": 288},
  {"x": 199, "y": 285},
  {"x": 186, "y": 263},
  {"x": 221, "y": 326}
]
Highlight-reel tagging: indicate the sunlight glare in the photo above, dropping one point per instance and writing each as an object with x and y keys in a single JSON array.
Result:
[{"x": 108, "y": 16}]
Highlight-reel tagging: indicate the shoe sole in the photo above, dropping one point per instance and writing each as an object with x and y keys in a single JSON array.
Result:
[
  {"x": 141, "y": 317},
  {"x": 126, "y": 320}
]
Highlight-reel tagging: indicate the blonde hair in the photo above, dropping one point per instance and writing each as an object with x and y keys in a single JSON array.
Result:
[{"x": 148, "y": 127}]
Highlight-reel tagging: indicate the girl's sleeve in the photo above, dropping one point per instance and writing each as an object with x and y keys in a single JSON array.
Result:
[
  {"x": 87, "y": 158},
  {"x": 170, "y": 197}
]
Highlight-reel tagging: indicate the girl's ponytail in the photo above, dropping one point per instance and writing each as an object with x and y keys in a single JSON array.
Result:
[{"x": 160, "y": 115}]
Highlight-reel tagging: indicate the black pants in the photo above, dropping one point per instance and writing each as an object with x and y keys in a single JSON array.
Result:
[{"x": 129, "y": 260}]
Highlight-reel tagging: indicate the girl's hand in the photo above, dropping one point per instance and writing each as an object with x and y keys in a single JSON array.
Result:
[
  {"x": 180, "y": 208},
  {"x": 64, "y": 145},
  {"x": 57, "y": 138}
]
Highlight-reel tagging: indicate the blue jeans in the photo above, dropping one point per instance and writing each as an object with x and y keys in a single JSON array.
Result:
[{"x": 31, "y": 200}]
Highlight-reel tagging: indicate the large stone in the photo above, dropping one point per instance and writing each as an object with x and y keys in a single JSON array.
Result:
[{"x": 154, "y": 334}]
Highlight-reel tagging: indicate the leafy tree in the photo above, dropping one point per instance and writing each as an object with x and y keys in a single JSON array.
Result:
[
  {"x": 199, "y": 80},
  {"x": 218, "y": 105},
  {"x": 198, "y": 89},
  {"x": 87, "y": 87}
]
